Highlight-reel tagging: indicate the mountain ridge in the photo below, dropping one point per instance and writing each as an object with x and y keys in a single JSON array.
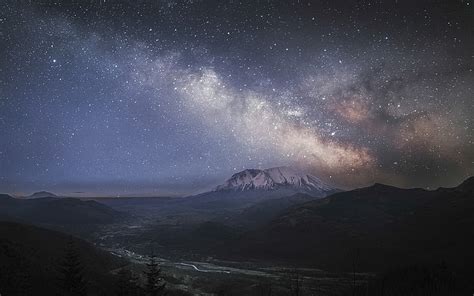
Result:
[
  {"x": 58, "y": 213},
  {"x": 388, "y": 226}
]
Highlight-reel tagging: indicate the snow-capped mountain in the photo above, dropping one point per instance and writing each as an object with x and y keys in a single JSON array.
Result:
[{"x": 278, "y": 178}]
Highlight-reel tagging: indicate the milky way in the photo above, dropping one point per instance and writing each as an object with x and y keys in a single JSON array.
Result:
[{"x": 172, "y": 97}]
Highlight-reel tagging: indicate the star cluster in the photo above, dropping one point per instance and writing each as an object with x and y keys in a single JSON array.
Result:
[{"x": 171, "y": 97}]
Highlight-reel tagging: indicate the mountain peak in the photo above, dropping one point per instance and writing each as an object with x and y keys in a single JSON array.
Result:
[
  {"x": 42, "y": 194},
  {"x": 276, "y": 178}
]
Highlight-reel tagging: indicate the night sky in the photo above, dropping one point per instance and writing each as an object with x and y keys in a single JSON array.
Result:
[{"x": 173, "y": 97}]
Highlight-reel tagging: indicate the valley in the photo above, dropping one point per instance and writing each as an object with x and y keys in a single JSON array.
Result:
[
  {"x": 236, "y": 148},
  {"x": 213, "y": 276},
  {"x": 256, "y": 240}
]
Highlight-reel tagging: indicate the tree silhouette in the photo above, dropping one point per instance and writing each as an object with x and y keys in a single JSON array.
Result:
[
  {"x": 355, "y": 261},
  {"x": 15, "y": 278},
  {"x": 72, "y": 282},
  {"x": 264, "y": 289},
  {"x": 127, "y": 284},
  {"x": 154, "y": 282},
  {"x": 295, "y": 283}
]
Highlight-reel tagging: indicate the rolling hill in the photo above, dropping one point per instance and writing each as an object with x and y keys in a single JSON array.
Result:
[
  {"x": 377, "y": 227},
  {"x": 68, "y": 214}
]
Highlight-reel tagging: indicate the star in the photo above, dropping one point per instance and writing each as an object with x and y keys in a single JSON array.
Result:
[{"x": 128, "y": 95}]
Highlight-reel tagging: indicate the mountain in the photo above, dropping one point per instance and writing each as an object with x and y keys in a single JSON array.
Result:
[
  {"x": 378, "y": 226},
  {"x": 58, "y": 213},
  {"x": 42, "y": 194},
  {"x": 264, "y": 211},
  {"x": 467, "y": 186},
  {"x": 30, "y": 258},
  {"x": 251, "y": 186},
  {"x": 278, "y": 178}
]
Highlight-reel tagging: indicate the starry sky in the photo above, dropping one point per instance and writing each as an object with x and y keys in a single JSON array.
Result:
[{"x": 173, "y": 97}]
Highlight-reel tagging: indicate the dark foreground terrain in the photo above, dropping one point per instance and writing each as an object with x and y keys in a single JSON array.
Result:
[
  {"x": 379, "y": 240},
  {"x": 32, "y": 261}
]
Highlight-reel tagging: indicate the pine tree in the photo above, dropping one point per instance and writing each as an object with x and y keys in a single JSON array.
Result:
[
  {"x": 127, "y": 284},
  {"x": 264, "y": 289},
  {"x": 72, "y": 282},
  {"x": 296, "y": 283},
  {"x": 154, "y": 283}
]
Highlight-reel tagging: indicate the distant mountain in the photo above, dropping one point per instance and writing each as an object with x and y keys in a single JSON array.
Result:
[
  {"x": 467, "y": 186},
  {"x": 379, "y": 226},
  {"x": 42, "y": 194},
  {"x": 278, "y": 178},
  {"x": 57, "y": 213}
]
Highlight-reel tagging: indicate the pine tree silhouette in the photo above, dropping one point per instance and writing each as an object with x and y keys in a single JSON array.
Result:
[
  {"x": 15, "y": 274},
  {"x": 154, "y": 283},
  {"x": 127, "y": 284},
  {"x": 296, "y": 283},
  {"x": 72, "y": 282}
]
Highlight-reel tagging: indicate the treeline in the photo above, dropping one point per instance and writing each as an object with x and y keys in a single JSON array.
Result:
[
  {"x": 70, "y": 274},
  {"x": 415, "y": 280},
  {"x": 70, "y": 278},
  {"x": 128, "y": 284},
  {"x": 72, "y": 281}
]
